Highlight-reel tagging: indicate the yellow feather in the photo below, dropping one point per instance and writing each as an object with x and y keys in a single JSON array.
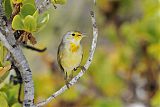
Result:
[{"x": 74, "y": 47}]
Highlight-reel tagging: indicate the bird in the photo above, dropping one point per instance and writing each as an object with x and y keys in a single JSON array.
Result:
[{"x": 70, "y": 54}]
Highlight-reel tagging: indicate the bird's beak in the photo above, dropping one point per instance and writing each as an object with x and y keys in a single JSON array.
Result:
[{"x": 84, "y": 35}]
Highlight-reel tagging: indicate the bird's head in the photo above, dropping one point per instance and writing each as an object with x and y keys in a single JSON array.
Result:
[{"x": 73, "y": 36}]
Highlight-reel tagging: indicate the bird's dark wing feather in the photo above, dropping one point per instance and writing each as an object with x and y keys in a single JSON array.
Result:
[
  {"x": 81, "y": 59},
  {"x": 59, "y": 55}
]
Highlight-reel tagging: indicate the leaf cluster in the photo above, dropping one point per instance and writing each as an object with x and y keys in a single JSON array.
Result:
[{"x": 29, "y": 19}]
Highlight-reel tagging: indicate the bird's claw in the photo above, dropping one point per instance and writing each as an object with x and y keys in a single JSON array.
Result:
[
  {"x": 75, "y": 69},
  {"x": 83, "y": 68},
  {"x": 67, "y": 84}
]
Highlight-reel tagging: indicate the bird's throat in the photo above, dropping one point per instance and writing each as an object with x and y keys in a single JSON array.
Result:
[{"x": 74, "y": 47}]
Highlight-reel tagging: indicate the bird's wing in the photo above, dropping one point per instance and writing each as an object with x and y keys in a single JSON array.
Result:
[
  {"x": 59, "y": 55},
  {"x": 82, "y": 56}
]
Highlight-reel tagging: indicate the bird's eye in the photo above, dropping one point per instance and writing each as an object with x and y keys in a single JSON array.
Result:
[{"x": 73, "y": 34}]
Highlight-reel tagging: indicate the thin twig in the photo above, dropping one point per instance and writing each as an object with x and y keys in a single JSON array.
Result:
[
  {"x": 81, "y": 73},
  {"x": 34, "y": 48}
]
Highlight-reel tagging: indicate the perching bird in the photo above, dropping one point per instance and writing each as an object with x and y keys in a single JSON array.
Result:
[{"x": 70, "y": 53}]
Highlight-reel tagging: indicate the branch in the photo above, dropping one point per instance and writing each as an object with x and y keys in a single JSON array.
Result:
[
  {"x": 81, "y": 73},
  {"x": 8, "y": 40},
  {"x": 43, "y": 6},
  {"x": 25, "y": 70}
]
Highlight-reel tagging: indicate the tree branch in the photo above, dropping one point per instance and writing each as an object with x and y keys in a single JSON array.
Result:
[
  {"x": 43, "y": 6},
  {"x": 8, "y": 40},
  {"x": 81, "y": 73},
  {"x": 25, "y": 71}
]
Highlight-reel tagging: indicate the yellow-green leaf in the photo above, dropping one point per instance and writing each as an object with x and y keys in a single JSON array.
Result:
[
  {"x": 35, "y": 15},
  {"x": 27, "y": 9},
  {"x": 16, "y": 1},
  {"x": 30, "y": 24},
  {"x": 17, "y": 23},
  {"x": 17, "y": 105},
  {"x": 3, "y": 101},
  {"x": 29, "y": 2},
  {"x": 42, "y": 21},
  {"x": 7, "y": 8}
]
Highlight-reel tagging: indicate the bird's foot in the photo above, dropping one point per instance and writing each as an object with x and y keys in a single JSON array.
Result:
[
  {"x": 67, "y": 84},
  {"x": 67, "y": 80},
  {"x": 71, "y": 76},
  {"x": 75, "y": 69},
  {"x": 82, "y": 68}
]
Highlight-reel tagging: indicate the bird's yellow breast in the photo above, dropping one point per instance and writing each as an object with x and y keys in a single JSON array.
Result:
[
  {"x": 74, "y": 47},
  {"x": 72, "y": 58}
]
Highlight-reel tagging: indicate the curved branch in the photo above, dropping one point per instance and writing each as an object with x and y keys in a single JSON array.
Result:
[{"x": 81, "y": 73}]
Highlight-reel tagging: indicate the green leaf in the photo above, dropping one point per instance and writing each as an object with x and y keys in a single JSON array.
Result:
[
  {"x": 16, "y": 105},
  {"x": 3, "y": 52},
  {"x": 29, "y": 2},
  {"x": 3, "y": 71},
  {"x": 17, "y": 1},
  {"x": 27, "y": 9},
  {"x": 3, "y": 101},
  {"x": 42, "y": 21},
  {"x": 3, "y": 94},
  {"x": 58, "y": 1},
  {"x": 30, "y": 24},
  {"x": 17, "y": 23},
  {"x": 11, "y": 92},
  {"x": 35, "y": 15},
  {"x": 1, "y": 64},
  {"x": 7, "y": 8}
]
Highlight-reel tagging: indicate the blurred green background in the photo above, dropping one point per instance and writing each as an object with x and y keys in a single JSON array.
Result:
[{"x": 125, "y": 71}]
